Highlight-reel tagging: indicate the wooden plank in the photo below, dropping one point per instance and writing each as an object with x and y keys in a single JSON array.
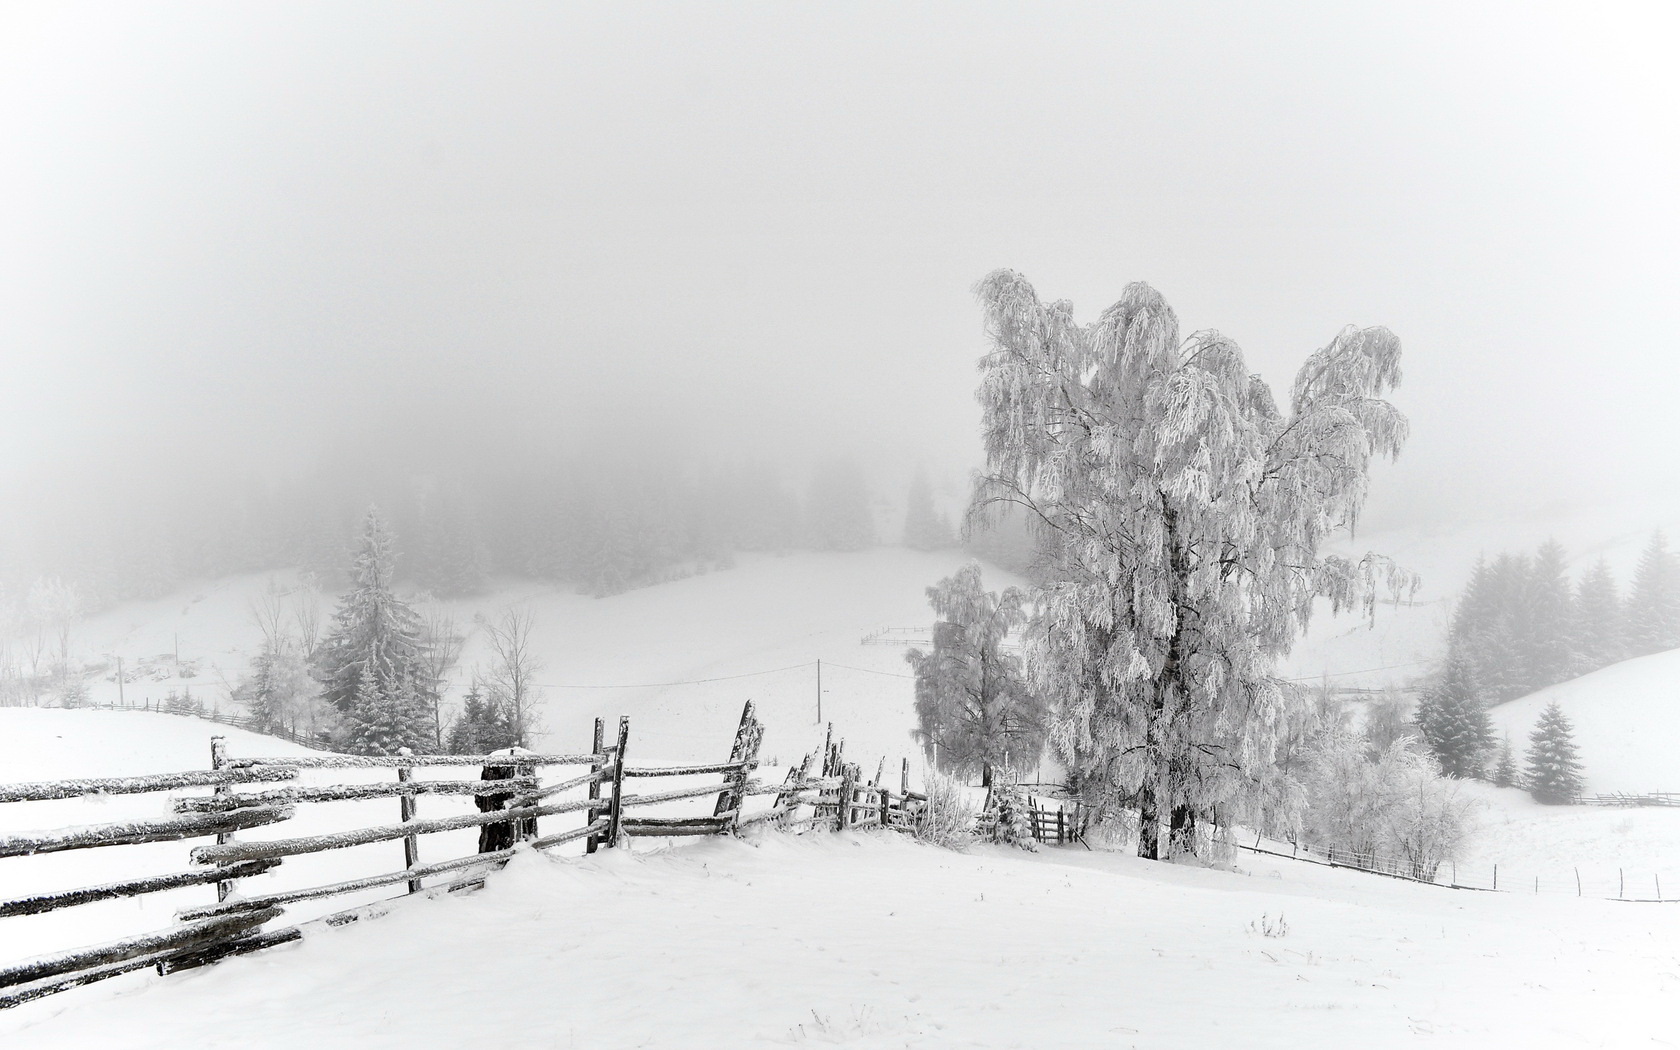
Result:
[
  {"x": 662, "y": 831},
  {"x": 616, "y": 811},
  {"x": 132, "y": 888},
  {"x": 192, "y": 935},
  {"x": 128, "y": 833},
  {"x": 346, "y": 793},
  {"x": 718, "y": 822},
  {"x": 412, "y": 874},
  {"x": 596, "y": 772},
  {"x": 683, "y": 771},
  {"x": 47, "y": 791},
  {"x": 393, "y": 761},
  {"x": 593, "y": 831},
  {"x": 668, "y": 796},
  {"x": 339, "y": 840}
]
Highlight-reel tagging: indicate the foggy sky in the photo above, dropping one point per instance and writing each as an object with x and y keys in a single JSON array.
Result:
[{"x": 234, "y": 234}]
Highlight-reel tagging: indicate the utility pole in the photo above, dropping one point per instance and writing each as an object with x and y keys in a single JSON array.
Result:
[{"x": 819, "y": 691}]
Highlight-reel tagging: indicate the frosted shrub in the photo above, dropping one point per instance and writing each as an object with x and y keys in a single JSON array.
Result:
[
  {"x": 1393, "y": 805},
  {"x": 948, "y": 819}
]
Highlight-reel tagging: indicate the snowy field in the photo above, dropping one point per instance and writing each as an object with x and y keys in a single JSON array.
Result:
[
  {"x": 869, "y": 940},
  {"x": 863, "y": 941}
]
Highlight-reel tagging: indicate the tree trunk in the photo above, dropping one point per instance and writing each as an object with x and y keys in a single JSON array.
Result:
[
  {"x": 1182, "y": 842},
  {"x": 1149, "y": 823}
]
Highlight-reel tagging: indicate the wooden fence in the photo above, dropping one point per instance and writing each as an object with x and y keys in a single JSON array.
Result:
[{"x": 514, "y": 792}]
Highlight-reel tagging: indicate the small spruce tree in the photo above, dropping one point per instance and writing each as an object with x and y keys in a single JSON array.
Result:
[
  {"x": 1554, "y": 770},
  {"x": 1505, "y": 772}
]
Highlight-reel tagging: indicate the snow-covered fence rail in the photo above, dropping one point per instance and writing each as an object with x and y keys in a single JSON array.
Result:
[
  {"x": 512, "y": 795},
  {"x": 1623, "y": 798}
]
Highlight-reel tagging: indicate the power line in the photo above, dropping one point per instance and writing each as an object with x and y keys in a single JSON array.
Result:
[
  {"x": 1367, "y": 670},
  {"x": 690, "y": 681},
  {"x": 867, "y": 670}
]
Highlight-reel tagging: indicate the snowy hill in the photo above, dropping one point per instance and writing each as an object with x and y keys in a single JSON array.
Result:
[
  {"x": 1626, "y": 718},
  {"x": 679, "y": 658}
]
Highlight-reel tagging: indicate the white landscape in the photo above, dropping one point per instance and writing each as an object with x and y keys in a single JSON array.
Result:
[{"x": 1150, "y": 525}]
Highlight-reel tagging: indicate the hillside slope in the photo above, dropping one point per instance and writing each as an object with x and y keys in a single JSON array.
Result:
[{"x": 1626, "y": 718}]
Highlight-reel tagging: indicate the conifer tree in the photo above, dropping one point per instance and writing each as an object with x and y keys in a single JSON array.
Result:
[
  {"x": 1187, "y": 513},
  {"x": 973, "y": 706},
  {"x": 1454, "y": 722},
  {"x": 1547, "y": 646},
  {"x": 1653, "y": 608},
  {"x": 370, "y": 665},
  {"x": 924, "y": 528},
  {"x": 1554, "y": 769},
  {"x": 1598, "y": 638},
  {"x": 1505, "y": 771}
]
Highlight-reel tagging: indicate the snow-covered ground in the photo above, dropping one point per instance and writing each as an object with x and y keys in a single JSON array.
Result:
[
  {"x": 851, "y": 940},
  {"x": 869, "y": 940}
]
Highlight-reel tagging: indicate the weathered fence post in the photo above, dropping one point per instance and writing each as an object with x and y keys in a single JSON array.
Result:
[
  {"x": 1621, "y": 884},
  {"x": 218, "y": 759},
  {"x": 411, "y": 844},
  {"x": 595, "y": 785},
  {"x": 745, "y": 751},
  {"x": 493, "y": 838},
  {"x": 1061, "y": 825},
  {"x": 848, "y": 784},
  {"x": 1577, "y": 882},
  {"x": 904, "y": 777},
  {"x": 615, "y": 815},
  {"x": 1496, "y": 876}
]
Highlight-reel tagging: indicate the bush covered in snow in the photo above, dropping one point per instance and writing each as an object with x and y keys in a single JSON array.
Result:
[
  {"x": 1389, "y": 804},
  {"x": 1006, "y": 818},
  {"x": 948, "y": 819}
]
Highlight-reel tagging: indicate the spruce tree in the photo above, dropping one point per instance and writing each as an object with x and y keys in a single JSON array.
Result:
[
  {"x": 1505, "y": 773},
  {"x": 1554, "y": 769},
  {"x": 924, "y": 528},
  {"x": 1454, "y": 722},
  {"x": 1598, "y": 638},
  {"x": 1547, "y": 646},
  {"x": 1653, "y": 609},
  {"x": 371, "y": 665}
]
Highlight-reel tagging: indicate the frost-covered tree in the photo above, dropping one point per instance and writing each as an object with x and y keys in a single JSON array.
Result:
[
  {"x": 924, "y": 528},
  {"x": 1186, "y": 511},
  {"x": 1597, "y": 637},
  {"x": 1554, "y": 768},
  {"x": 371, "y": 664},
  {"x": 1653, "y": 608},
  {"x": 974, "y": 708},
  {"x": 1454, "y": 721},
  {"x": 1547, "y": 646},
  {"x": 1505, "y": 770},
  {"x": 483, "y": 726}
]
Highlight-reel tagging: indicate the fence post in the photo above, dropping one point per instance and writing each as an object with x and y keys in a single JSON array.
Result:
[
  {"x": 615, "y": 815},
  {"x": 411, "y": 843},
  {"x": 1496, "y": 876},
  {"x": 218, "y": 759},
  {"x": 848, "y": 784},
  {"x": 1577, "y": 882},
  {"x": 595, "y": 785},
  {"x": 747, "y": 733},
  {"x": 1061, "y": 825},
  {"x": 1621, "y": 884},
  {"x": 904, "y": 778},
  {"x": 1658, "y": 877}
]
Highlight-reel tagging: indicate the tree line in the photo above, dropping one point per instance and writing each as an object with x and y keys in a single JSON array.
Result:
[{"x": 1522, "y": 625}]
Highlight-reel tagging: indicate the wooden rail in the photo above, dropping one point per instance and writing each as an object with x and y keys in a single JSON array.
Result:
[{"x": 511, "y": 794}]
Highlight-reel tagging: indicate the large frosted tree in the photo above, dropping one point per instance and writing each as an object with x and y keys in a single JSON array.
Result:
[
  {"x": 1186, "y": 511},
  {"x": 973, "y": 704},
  {"x": 371, "y": 664},
  {"x": 1653, "y": 606}
]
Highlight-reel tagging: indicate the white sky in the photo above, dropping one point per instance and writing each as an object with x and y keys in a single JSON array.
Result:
[{"x": 227, "y": 229}]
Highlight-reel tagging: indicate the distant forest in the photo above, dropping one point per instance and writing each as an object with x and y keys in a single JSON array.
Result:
[
  {"x": 1521, "y": 625},
  {"x": 597, "y": 530}
]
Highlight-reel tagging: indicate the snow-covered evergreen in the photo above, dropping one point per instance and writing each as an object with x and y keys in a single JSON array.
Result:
[
  {"x": 1554, "y": 767},
  {"x": 371, "y": 665},
  {"x": 1599, "y": 638},
  {"x": 1454, "y": 722},
  {"x": 925, "y": 529},
  {"x": 1653, "y": 607},
  {"x": 1188, "y": 513}
]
